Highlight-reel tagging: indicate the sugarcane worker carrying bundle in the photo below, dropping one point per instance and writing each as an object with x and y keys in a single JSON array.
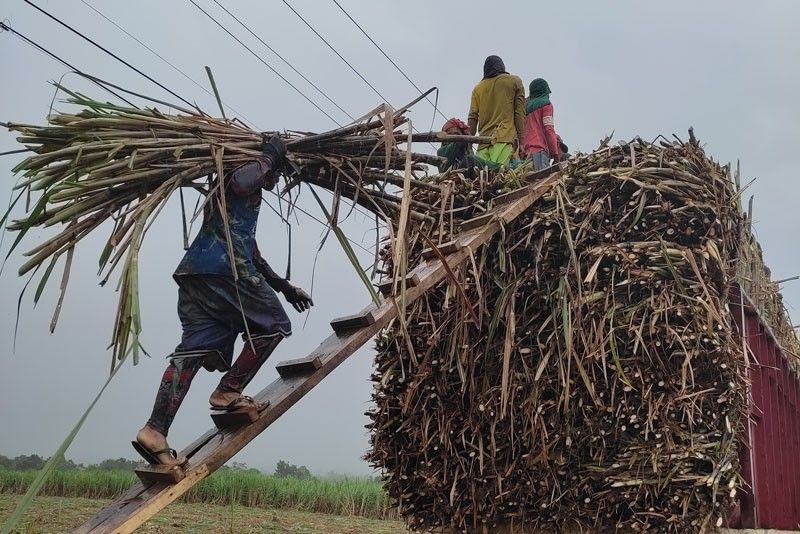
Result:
[
  {"x": 497, "y": 110},
  {"x": 214, "y": 306},
  {"x": 540, "y": 142}
]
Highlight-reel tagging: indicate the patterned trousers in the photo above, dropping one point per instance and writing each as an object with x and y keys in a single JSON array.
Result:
[{"x": 181, "y": 371}]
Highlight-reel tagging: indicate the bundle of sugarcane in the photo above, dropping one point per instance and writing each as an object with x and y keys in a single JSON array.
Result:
[
  {"x": 588, "y": 377},
  {"x": 121, "y": 164}
]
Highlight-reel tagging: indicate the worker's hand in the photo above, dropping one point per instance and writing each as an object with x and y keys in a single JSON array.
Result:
[
  {"x": 299, "y": 299},
  {"x": 275, "y": 149}
]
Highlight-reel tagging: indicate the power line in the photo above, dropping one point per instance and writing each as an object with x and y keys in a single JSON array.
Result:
[
  {"x": 76, "y": 70},
  {"x": 312, "y": 84},
  {"x": 278, "y": 74},
  {"x": 112, "y": 54},
  {"x": 336, "y": 51},
  {"x": 380, "y": 95},
  {"x": 162, "y": 58},
  {"x": 323, "y": 223},
  {"x": 387, "y": 57}
]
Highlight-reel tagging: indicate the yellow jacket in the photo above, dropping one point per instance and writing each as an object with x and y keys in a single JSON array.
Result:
[{"x": 498, "y": 108}]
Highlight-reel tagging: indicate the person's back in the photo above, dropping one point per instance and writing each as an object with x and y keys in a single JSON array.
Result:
[
  {"x": 540, "y": 142},
  {"x": 496, "y": 110},
  {"x": 208, "y": 253}
]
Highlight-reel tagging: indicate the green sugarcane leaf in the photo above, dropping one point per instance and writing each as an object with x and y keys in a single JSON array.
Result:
[
  {"x": 348, "y": 250},
  {"x": 8, "y": 211},
  {"x": 50, "y": 466},
  {"x": 35, "y": 212},
  {"x": 19, "y": 306},
  {"x": 45, "y": 277},
  {"x": 104, "y": 256}
]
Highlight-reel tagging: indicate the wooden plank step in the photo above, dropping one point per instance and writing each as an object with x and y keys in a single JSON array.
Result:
[
  {"x": 159, "y": 474},
  {"x": 445, "y": 248},
  {"x": 511, "y": 196},
  {"x": 349, "y": 322},
  {"x": 412, "y": 280},
  {"x": 242, "y": 416},
  {"x": 300, "y": 366},
  {"x": 477, "y": 222}
]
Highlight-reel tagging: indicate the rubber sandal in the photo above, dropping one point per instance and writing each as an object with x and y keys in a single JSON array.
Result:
[{"x": 151, "y": 457}]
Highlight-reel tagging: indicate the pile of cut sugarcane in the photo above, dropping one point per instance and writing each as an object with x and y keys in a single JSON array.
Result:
[
  {"x": 118, "y": 166},
  {"x": 596, "y": 382}
]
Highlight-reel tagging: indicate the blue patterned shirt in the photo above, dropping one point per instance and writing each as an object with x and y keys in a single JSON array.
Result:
[{"x": 208, "y": 253}]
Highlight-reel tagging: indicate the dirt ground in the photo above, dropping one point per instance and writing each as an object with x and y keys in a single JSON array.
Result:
[{"x": 59, "y": 514}]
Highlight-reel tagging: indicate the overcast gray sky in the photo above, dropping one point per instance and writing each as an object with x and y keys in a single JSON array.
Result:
[{"x": 728, "y": 68}]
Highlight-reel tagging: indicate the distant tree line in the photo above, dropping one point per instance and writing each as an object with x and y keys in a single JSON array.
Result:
[
  {"x": 285, "y": 469},
  {"x": 27, "y": 462}
]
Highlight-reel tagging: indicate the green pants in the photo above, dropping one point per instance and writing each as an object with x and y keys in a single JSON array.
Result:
[{"x": 499, "y": 153}]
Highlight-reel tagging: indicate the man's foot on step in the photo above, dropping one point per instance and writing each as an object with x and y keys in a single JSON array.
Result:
[
  {"x": 156, "y": 444},
  {"x": 233, "y": 400}
]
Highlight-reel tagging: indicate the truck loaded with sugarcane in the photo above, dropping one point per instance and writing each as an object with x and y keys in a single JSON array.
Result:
[{"x": 562, "y": 342}]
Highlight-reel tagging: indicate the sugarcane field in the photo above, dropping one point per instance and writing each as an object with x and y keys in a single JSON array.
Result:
[{"x": 341, "y": 267}]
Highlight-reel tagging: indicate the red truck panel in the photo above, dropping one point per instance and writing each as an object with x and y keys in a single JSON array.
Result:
[{"x": 770, "y": 453}]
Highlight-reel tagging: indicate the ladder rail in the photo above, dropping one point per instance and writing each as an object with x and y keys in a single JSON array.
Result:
[{"x": 211, "y": 450}]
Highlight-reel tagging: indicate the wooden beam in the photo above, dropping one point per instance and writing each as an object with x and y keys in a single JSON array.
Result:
[
  {"x": 511, "y": 196},
  {"x": 150, "y": 474},
  {"x": 350, "y": 322},
  {"x": 242, "y": 416},
  {"x": 159, "y": 499},
  {"x": 299, "y": 366},
  {"x": 386, "y": 287},
  {"x": 445, "y": 248},
  {"x": 477, "y": 222},
  {"x": 211, "y": 450}
]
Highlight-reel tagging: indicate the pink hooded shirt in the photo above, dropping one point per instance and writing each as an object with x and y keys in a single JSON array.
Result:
[{"x": 540, "y": 132}]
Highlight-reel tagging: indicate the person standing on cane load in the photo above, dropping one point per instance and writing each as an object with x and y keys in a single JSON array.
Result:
[
  {"x": 457, "y": 155},
  {"x": 540, "y": 142},
  {"x": 214, "y": 305},
  {"x": 497, "y": 110}
]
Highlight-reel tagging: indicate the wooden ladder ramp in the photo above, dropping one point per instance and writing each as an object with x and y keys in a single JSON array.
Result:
[{"x": 297, "y": 377}]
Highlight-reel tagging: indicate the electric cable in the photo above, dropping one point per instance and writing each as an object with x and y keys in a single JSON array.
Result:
[
  {"x": 396, "y": 66},
  {"x": 288, "y": 63},
  {"x": 336, "y": 52},
  {"x": 323, "y": 223},
  {"x": 345, "y": 60},
  {"x": 112, "y": 54},
  {"x": 270, "y": 67},
  {"x": 162, "y": 58},
  {"x": 76, "y": 70}
]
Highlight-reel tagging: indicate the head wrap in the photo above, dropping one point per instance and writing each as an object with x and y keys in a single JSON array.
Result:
[
  {"x": 539, "y": 87},
  {"x": 463, "y": 129},
  {"x": 493, "y": 66},
  {"x": 539, "y": 95}
]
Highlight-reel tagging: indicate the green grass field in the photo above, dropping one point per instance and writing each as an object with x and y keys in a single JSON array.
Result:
[
  {"x": 348, "y": 497},
  {"x": 54, "y": 515}
]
